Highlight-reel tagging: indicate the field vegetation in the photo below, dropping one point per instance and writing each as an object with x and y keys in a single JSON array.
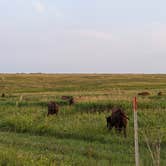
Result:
[{"x": 78, "y": 135}]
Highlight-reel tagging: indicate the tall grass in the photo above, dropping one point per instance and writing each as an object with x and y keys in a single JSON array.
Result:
[{"x": 78, "y": 135}]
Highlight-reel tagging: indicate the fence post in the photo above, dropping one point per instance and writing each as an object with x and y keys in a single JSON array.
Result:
[{"x": 136, "y": 132}]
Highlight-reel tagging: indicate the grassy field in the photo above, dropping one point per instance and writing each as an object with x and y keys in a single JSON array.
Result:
[{"x": 78, "y": 135}]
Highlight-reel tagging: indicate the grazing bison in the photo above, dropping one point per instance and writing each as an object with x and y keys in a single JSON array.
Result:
[
  {"x": 118, "y": 119},
  {"x": 53, "y": 108},
  {"x": 143, "y": 94},
  {"x": 3, "y": 95},
  {"x": 70, "y": 99},
  {"x": 159, "y": 93}
]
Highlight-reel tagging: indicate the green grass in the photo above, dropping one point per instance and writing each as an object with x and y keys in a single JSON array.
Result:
[{"x": 78, "y": 135}]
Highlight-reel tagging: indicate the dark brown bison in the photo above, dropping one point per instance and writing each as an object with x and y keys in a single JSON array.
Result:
[
  {"x": 159, "y": 93},
  {"x": 3, "y": 95},
  {"x": 53, "y": 108},
  {"x": 143, "y": 94},
  {"x": 118, "y": 119},
  {"x": 70, "y": 99}
]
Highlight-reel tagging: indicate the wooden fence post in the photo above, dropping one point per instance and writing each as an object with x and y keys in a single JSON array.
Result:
[{"x": 136, "y": 132}]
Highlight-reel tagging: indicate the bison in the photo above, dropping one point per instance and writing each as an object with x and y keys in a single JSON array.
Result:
[
  {"x": 70, "y": 99},
  {"x": 3, "y": 95},
  {"x": 53, "y": 108},
  {"x": 143, "y": 94},
  {"x": 159, "y": 93},
  {"x": 118, "y": 119}
]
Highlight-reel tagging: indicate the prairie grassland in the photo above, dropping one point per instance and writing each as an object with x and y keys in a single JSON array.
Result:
[{"x": 78, "y": 135}]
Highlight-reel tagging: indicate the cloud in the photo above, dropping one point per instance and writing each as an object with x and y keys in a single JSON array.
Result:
[{"x": 39, "y": 7}]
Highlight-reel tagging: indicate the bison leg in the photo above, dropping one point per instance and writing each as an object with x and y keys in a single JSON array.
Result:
[
  {"x": 109, "y": 126},
  {"x": 119, "y": 129},
  {"x": 125, "y": 135}
]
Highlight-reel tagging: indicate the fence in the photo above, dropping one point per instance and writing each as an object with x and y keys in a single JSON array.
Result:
[{"x": 151, "y": 136}]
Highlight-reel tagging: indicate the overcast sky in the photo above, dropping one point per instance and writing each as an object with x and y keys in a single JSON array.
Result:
[{"x": 81, "y": 36}]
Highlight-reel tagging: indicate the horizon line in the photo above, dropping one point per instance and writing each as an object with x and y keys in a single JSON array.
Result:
[{"x": 139, "y": 73}]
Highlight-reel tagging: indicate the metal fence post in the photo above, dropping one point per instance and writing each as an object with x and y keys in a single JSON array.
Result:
[{"x": 136, "y": 132}]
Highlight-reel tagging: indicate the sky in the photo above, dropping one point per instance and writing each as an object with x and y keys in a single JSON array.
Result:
[{"x": 83, "y": 36}]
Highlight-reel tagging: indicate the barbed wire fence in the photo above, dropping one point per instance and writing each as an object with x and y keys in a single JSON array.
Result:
[{"x": 151, "y": 139}]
